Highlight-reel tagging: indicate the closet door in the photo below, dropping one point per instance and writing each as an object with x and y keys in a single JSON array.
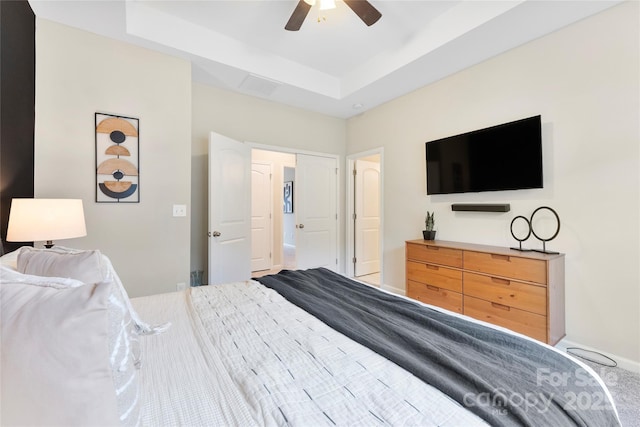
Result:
[
  {"x": 367, "y": 221},
  {"x": 315, "y": 201},
  {"x": 261, "y": 197}
]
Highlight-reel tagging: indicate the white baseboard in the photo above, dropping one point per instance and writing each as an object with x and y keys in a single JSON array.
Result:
[{"x": 624, "y": 363}]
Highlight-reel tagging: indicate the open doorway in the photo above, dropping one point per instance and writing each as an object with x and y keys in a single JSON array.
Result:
[
  {"x": 309, "y": 220},
  {"x": 315, "y": 201},
  {"x": 273, "y": 249},
  {"x": 364, "y": 204}
]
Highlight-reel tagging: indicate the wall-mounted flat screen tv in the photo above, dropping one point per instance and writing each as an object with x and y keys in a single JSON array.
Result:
[{"x": 502, "y": 157}]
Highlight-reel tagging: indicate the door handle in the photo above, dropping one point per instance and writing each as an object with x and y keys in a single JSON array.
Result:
[
  {"x": 300, "y": 226},
  {"x": 215, "y": 234}
]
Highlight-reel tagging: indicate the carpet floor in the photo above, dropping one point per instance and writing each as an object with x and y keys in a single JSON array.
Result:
[{"x": 625, "y": 389}]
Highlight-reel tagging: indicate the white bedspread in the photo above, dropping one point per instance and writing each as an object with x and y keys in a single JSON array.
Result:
[
  {"x": 240, "y": 354},
  {"x": 182, "y": 380}
]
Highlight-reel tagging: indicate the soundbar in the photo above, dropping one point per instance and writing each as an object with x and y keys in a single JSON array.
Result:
[{"x": 466, "y": 207}]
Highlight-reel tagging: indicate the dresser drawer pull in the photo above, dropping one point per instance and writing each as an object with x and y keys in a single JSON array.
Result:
[
  {"x": 433, "y": 248},
  {"x": 500, "y": 306},
  {"x": 433, "y": 288},
  {"x": 501, "y": 257},
  {"x": 501, "y": 281},
  {"x": 432, "y": 267}
]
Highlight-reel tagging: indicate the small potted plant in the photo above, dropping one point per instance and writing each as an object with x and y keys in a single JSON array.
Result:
[{"x": 429, "y": 233}]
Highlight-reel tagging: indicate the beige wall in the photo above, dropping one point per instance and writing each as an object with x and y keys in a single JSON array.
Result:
[
  {"x": 584, "y": 81},
  {"x": 256, "y": 121},
  {"x": 79, "y": 73}
]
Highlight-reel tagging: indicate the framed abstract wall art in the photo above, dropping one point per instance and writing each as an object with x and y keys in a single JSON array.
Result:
[
  {"x": 288, "y": 197},
  {"x": 117, "y": 159}
]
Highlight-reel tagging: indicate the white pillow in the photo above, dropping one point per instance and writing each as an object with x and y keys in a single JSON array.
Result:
[
  {"x": 124, "y": 358},
  {"x": 92, "y": 267},
  {"x": 10, "y": 260},
  {"x": 10, "y": 275},
  {"x": 55, "y": 355},
  {"x": 86, "y": 266}
]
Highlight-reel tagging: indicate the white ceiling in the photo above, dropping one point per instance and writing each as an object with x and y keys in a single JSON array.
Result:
[{"x": 337, "y": 66}]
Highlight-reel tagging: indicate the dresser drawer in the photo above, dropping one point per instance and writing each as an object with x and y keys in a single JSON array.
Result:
[
  {"x": 434, "y": 295},
  {"x": 435, "y": 254},
  {"x": 435, "y": 275},
  {"x": 507, "y": 292},
  {"x": 531, "y": 324},
  {"x": 531, "y": 270}
]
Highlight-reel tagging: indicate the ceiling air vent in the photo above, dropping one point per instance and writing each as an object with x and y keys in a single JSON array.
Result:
[{"x": 259, "y": 85}]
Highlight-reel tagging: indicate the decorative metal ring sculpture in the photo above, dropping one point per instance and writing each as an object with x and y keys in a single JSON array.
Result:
[
  {"x": 532, "y": 231},
  {"x": 519, "y": 248},
  {"x": 544, "y": 241}
]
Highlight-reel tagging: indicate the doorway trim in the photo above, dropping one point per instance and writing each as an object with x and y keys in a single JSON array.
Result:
[{"x": 350, "y": 199}]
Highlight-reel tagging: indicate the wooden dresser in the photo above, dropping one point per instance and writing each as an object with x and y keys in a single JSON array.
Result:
[{"x": 522, "y": 291}]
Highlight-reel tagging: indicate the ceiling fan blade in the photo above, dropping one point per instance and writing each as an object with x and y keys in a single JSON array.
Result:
[
  {"x": 298, "y": 15},
  {"x": 364, "y": 10}
]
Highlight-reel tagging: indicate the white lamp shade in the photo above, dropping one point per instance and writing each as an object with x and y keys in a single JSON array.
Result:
[{"x": 33, "y": 220}]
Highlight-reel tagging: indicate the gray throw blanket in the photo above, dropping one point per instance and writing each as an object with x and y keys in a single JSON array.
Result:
[{"x": 504, "y": 379}]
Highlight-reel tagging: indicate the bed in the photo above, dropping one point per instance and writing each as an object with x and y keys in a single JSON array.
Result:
[{"x": 297, "y": 348}]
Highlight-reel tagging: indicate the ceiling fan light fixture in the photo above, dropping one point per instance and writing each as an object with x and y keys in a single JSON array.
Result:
[
  {"x": 365, "y": 11},
  {"x": 324, "y": 4},
  {"x": 327, "y": 4}
]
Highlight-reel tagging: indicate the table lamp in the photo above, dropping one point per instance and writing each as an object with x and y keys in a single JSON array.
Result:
[{"x": 45, "y": 219}]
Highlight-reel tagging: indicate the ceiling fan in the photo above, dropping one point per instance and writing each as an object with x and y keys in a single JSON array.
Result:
[{"x": 362, "y": 8}]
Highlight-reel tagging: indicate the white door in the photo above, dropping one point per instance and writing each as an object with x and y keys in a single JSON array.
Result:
[
  {"x": 229, "y": 210},
  {"x": 315, "y": 207},
  {"x": 261, "y": 216},
  {"x": 367, "y": 217}
]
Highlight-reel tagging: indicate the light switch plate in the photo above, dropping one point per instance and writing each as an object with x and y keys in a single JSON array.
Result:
[{"x": 179, "y": 210}]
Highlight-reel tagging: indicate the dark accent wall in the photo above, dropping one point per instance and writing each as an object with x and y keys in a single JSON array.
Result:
[{"x": 17, "y": 105}]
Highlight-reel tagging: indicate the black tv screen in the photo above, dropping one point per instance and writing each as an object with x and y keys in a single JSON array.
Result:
[{"x": 503, "y": 157}]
